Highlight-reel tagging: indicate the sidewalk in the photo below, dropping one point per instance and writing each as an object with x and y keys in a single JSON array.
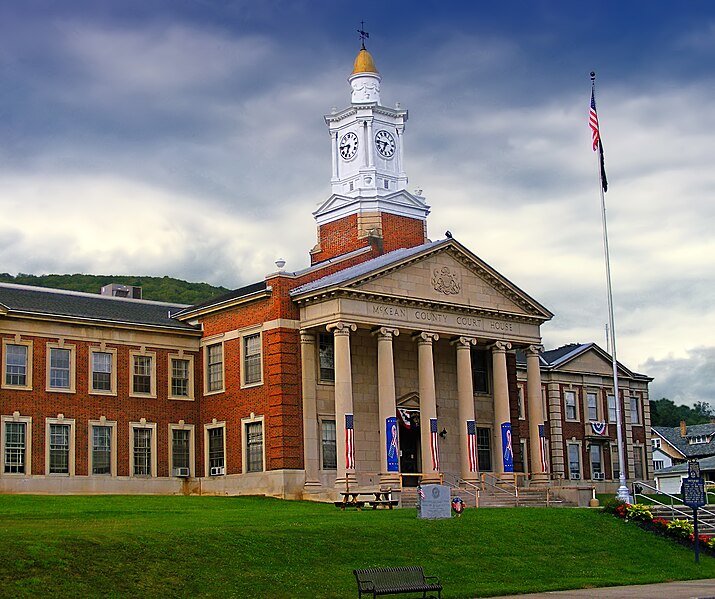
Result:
[{"x": 688, "y": 589}]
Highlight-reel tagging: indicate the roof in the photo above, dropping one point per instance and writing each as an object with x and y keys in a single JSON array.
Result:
[
  {"x": 221, "y": 300},
  {"x": 672, "y": 435},
  {"x": 706, "y": 464},
  {"x": 60, "y": 304},
  {"x": 364, "y": 63}
]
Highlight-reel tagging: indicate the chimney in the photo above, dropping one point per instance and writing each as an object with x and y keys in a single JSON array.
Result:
[{"x": 683, "y": 429}]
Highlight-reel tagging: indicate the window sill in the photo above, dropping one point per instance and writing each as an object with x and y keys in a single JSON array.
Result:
[
  {"x": 251, "y": 385},
  {"x": 107, "y": 393},
  {"x": 142, "y": 396},
  {"x": 57, "y": 390},
  {"x": 180, "y": 398},
  {"x": 216, "y": 392},
  {"x": 16, "y": 387}
]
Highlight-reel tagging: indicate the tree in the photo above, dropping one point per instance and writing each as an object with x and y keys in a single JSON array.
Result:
[{"x": 664, "y": 412}]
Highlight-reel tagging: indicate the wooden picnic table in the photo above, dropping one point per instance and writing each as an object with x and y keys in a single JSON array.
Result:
[{"x": 375, "y": 499}]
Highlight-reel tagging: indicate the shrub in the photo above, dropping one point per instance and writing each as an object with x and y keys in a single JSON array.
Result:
[
  {"x": 638, "y": 511},
  {"x": 681, "y": 528},
  {"x": 611, "y": 505}
]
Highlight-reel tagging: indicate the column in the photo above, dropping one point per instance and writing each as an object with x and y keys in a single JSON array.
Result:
[
  {"x": 311, "y": 434},
  {"x": 334, "y": 147},
  {"x": 465, "y": 398},
  {"x": 539, "y": 473},
  {"x": 501, "y": 400},
  {"x": 428, "y": 403},
  {"x": 343, "y": 399},
  {"x": 370, "y": 146},
  {"x": 386, "y": 401}
]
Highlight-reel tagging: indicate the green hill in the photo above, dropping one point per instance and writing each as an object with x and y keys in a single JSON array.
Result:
[{"x": 162, "y": 289}]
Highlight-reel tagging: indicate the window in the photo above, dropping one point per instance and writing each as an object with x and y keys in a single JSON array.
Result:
[
  {"x": 181, "y": 384},
  {"x": 143, "y": 446},
  {"x": 17, "y": 364},
  {"x": 101, "y": 438},
  {"x": 214, "y": 367},
  {"x": 596, "y": 460},
  {"x": 574, "y": 461},
  {"x": 697, "y": 440},
  {"x": 635, "y": 410},
  {"x": 524, "y": 455},
  {"x": 658, "y": 464},
  {"x": 216, "y": 450},
  {"x": 252, "y": 359},
  {"x": 181, "y": 451},
  {"x": 60, "y": 368},
  {"x": 142, "y": 374},
  {"x": 638, "y": 462},
  {"x": 16, "y": 442},
  {"x": 103, "y": 377},
  {"x": 326, "y": 358},
  {"x": 615, "y": 464},
  {"x": 484, "y": 449},
  {"x": 480, "y": 370},
  {"x": 520, "y": 402},
  {"x": 59, "y": 448},
  {"x": 570, "y": 405},
  {"x": 253, "y": 446},
  {"x": 328, "y": 447},
  {"x": 612, "y": 414},
  {"x": 592, "y": 405},
  {"x": 655, "y": 443}
]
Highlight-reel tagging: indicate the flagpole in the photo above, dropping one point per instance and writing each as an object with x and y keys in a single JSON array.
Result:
[{"x": 622, "y": 492}]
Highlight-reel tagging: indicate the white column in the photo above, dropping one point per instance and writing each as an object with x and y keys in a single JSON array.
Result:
[
  {"x": 311, "y": 434},
  {"x": 465, "y": 398},
  {"x": 370, "y": 146},
  {"x": 501, "y": 399},
  {"x": 334, "y": 154},
  {"x": 386, "y": 398},
  {"x": 539, "y": 475},
  {"x": 428, "y": 401},
  {"x": 343, "y": 398}
]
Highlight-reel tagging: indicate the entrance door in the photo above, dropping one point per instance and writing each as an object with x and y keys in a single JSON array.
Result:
[{"x": 410, "y": 451}]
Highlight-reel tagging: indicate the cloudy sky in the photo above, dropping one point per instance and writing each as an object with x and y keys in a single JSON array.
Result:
[{"x": 186, "y": 138}]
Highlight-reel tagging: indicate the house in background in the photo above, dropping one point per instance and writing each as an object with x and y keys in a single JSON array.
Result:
[{"x": 673, "y": 445}]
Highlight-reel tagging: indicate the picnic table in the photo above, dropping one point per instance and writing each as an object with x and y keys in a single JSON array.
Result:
[{"x": 374, "y": 499}]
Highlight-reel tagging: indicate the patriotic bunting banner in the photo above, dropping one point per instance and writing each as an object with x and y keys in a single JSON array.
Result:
[
  {"x": 349, "y": 442},
  {"x": 508, "y": 452},
  {"x": 433, "y": 443},
  {"x": 542, "y": 449},
  {"x": 405, "y": 417},
  {"x": 598, "y": 428},
  {"x": 472, "y": 445}
]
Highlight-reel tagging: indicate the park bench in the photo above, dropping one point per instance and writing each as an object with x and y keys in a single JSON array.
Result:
[{"x": 396, "y": 581}]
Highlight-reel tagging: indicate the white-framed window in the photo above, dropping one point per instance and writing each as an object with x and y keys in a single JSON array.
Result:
[
  {"x": 253, "y": 445},
  {"x": 326, "y": 358},
  {"x": 181, "y": 376},
  {"x": 574, "y": 454},
  {"x": 16, "y": 444},
  {"x": 596, "y": 455},
  {"x": 635, "y": 404},
  {"x": 592, "y": 406},
  {"x": 328, "y": 449},
  {"x": 484, "y": 449},
  {"x": 612, "y": 413},
  {"x": 697, "y": 440},
  {"x": 142, "y": 443},
  {"x": 214, "y": 376},
  {"x": 103, "y": 447},
  {"x": 17, "y": 364},
  {"x": 520, "y": 402},
  {"x": 60, "y": 446},
  {"x": 61, "y": 367},
  {"x": 215, "y": 448},
  {"x": 655, "y": 443},
  {"x": 103, "y": 371},
  {"x": 615, "y": 464},
  {"x": 251, "y": 359},
  {"x": 142, "y": 382},
  {"x": 658, "y": 464},
  {"x": 181, "y": 449},
  {"x": 570, "y": 405}
]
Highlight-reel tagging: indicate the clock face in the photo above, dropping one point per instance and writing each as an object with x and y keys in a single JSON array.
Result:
[
  {"x": 385, "y": 143},
  {"x": 348, "y": 145}
]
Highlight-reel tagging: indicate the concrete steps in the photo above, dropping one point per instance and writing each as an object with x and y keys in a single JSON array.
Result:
[
  {"x": 527, "y": 498},
  {"x": 706, "y": 522}
]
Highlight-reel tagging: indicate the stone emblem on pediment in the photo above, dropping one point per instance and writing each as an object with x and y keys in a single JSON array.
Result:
[{"x": 446, "y": 280}]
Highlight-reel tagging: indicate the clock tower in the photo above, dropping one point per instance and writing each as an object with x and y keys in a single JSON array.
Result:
[{"x": 370, "y": 204}]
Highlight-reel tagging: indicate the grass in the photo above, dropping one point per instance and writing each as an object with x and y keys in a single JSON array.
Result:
[{"x": 258, "y": 547}]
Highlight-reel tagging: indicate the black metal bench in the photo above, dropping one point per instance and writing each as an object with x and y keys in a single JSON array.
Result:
[{"x": 396, "y": 581}]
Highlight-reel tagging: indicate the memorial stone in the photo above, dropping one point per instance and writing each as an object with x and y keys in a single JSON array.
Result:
[{"x": 436, "y": 503}]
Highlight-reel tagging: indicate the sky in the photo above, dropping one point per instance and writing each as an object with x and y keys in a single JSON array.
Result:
[{"x": 186, "y": 138}]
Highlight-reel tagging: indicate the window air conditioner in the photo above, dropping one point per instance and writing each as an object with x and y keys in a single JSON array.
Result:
[
  {"x": 182, "y": 472},
  {"x": 575, "y": 476},
  {"x": 217, "y": 471},
  {"x": 599, "y": 476}
]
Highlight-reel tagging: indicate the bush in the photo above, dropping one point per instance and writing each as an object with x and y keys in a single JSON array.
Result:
[
  {"x": 610, "y": 506},
  {"x": 681, "y": 528},
  {"x": 638, "y": 511}
]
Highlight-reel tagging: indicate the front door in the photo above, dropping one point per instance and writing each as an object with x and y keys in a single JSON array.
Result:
[{"x": 410, "y": 450}]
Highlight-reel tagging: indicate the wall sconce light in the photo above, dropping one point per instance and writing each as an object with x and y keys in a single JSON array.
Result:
[{"x": 443, "y": 434}]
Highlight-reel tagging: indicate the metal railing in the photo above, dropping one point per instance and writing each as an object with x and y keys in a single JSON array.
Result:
[
  {"x": 466, "y": 487},
  {"x": 676, "y": 506},
  {"x": 501, "y": 483}
]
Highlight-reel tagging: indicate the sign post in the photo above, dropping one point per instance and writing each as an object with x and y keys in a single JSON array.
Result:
[{"x": 693, "y": 490}]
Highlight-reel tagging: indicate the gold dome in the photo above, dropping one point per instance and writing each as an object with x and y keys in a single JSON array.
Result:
[{"x": 364, "y": 63}]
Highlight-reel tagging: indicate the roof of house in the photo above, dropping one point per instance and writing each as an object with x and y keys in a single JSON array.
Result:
[
  {"x": 672, "y": 435},
  {"x": 706, "y": 464},
  {"x": 60, "y": 304},
  {"x": 221, "y": 300}
]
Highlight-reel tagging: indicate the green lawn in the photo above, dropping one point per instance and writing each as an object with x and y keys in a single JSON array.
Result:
[{"x": 257, "y": 547}]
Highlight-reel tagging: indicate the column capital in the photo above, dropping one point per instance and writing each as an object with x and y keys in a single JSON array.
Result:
[
  {"x": 534, "y": 349},
  {"x": 307, "y": 337},
  {"x": 424, "y": 337},
  {"x": 386, "y": 332},
  {"x": 341, "y": 327},
  {"x": 464, "y": 342},
  {"x": 500, "y": 346}
]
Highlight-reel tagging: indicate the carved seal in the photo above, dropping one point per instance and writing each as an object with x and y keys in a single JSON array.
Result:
[{"x": 446, "y": 281}]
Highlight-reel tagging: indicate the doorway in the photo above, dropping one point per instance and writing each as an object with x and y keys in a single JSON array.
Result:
[{"x": 410, "y": 454}]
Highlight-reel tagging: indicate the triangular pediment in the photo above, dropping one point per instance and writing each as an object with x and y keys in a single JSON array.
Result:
[
  {"x": 592, "y": 359},
  {"x": 398, "y": 202}
]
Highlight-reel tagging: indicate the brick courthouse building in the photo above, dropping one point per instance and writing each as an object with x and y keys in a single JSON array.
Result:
[{"x": 414, "y": 353}]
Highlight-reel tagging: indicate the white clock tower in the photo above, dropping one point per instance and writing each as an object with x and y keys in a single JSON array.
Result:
[{"x": 368, "y": 177}]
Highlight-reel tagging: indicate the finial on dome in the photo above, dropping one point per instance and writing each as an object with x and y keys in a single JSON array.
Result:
[
  {"x": 363, "y": 34},
  {"x": 364, "y": 62}
]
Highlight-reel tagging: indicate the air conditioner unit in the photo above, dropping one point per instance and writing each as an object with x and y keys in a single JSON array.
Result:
[
  {"x": 217, "y": 471},
  {"x": 182, "y": 472},
  {"x": 575, "y": 476},
  {"x": 599, "y": 476}
]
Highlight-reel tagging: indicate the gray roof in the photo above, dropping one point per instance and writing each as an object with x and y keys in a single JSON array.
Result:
[
  {"x": 706, "y": 464},
  {"x": 25, "y": 300},
  {"x": 672, "y": 436}
]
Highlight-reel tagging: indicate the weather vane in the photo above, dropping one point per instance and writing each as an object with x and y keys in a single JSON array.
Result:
[{"x": 363, "y": 34}]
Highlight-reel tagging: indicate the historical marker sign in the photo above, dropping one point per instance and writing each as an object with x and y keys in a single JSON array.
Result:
[{"x": 694, "y": 492}]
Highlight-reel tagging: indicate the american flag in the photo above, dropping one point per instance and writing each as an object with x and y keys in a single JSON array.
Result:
[
  {"x": 349, "y": 442},
  {"x": 472, "y": 445},
  {"x": 596, "y": 137},
  {"x": 542, "y": 449},
  {"x": 433, "y": 443}
]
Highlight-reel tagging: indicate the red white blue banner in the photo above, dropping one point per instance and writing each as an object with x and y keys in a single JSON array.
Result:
[
  {"x": 543, "y": 450},
  {"x": 507, "y": 450},
  {"x": 472, "y": 445},
  {"x": 349, "y": 442},
  {"x": 393, "y": 454},
  {"x": 434, "y": 435},
  {"x": 598, "y": 428}
]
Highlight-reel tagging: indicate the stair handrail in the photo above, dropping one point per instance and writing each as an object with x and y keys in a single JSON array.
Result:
[
  {"x": 501, "y": 485},
  {"x": 463, "y": 485},
  {"x": 639, "y": 486}
]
